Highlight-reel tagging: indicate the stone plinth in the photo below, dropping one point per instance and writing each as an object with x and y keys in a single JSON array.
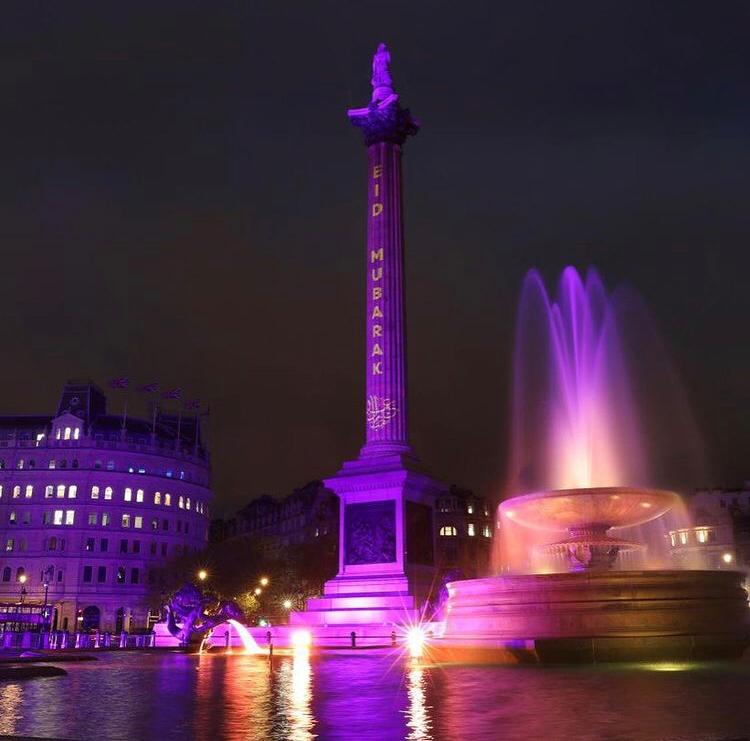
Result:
[{"x": 592, "y": 617}]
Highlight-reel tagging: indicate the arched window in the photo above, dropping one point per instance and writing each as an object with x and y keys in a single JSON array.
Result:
[
  {"x": 128, "y": 494},
  {"x": 60, "y": 491},
  {"x": 168, "y": 500},
  {"x": 181, "y": 503},
  {"x": 6, "y": 573},
  {"x": 108, "y": 493},
  {"x": 448, "y": 530},
  {"x": 67, "y": 433},
  {"x": 139, "y": 495},
  {"x": 72, "y": 491},
  {"x": 29, "y": 491},
  {"x": 157, "y": 497},
  {"x": 53, "y": 543},
  {"x": 16, "y": 491},
  {"x": 20, "y": 571},
  {"x": 187, "y": 503},
  {"x": 95, "y": 492},
  {"x": 76, "y": 433}
]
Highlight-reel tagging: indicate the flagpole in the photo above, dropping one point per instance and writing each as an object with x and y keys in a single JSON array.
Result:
[{"x": 179, "y": 422}]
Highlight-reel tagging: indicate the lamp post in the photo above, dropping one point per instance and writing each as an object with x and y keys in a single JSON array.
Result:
[
  {"x": 202, "y": 575},
  {"x": 22, "y": 580}
]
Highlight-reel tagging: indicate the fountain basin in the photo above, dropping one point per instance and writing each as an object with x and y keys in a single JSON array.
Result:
[
  {"x": 572, "y": 509},
  {"x": 597, "y": 616}
]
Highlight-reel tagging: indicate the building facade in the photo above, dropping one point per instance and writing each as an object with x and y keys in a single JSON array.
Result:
[
  {"x": 93, "y": 506},
  {"x": 464, "y": 533},
  {"x": 719, "y": 534},
  {"x": 463, "y": 525}
]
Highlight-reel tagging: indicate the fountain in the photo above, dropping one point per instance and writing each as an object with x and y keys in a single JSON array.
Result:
[{"x": 581, "y": 464}]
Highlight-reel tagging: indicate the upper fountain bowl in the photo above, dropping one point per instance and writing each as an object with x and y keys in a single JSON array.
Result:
[{"x": 601, "y": 507}]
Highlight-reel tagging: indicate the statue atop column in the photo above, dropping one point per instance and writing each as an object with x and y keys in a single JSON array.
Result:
[
  {"x": 383, "y": 119},
  {"x": 382, "y": 84}
]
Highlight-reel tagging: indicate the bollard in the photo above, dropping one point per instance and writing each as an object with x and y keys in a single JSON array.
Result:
[
  {"x": 268, "y": 636},
  {"x": 393, "y": 638},
  {"x": 226, "y": 640},
  {"x": 353, "y": 636},
  {"x": 270, "y": 650}
]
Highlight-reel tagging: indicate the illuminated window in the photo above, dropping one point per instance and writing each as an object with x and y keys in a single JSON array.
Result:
[
  {"x": 61, "y": 491},
  {"x": 168, "y": 499},
  {"x": 66, "y": 436},
  {"x": 70, "y": 516},
  {"x": 57, "y": 434},
  {"x": 486, "y": 531},
  {"x": 470, "y": 529},
  {"x": 51, "y": 464},
  {"x": 470, "y": 509},
  {"x": 126, "y": 520},
  {"x": 155, "y": 523},
  {"x": 181, "y": 503},
  {"x": 110, "y": 465},
  {"x": 128, "y": 494},
  {"x": 20, "y": 463},
  {"x": 92, "y": 518},
  {"x": 187, "y": 503},
  {"x": 95, "y": 492},
  {"x": 1, "y": 491},
  {"x": 683, "y": 537},
  {"x": 448, "y": 530},
  {"x": 10, "y": 544},
  {"x": 702, "y": 535},
  {"x": 673, "y": 539},
  {"x": 157, "y": 497},
  {"x": 120, "y": 574},
  {"x": 12, "y": 517},
  {"x": 58, "y": 518},
  {"x": 105, "y": 519},
  {"x": 139, "y": 495},
  {"x": 16, "y": 492},
  {"x": 138, "y": 522},
  {"x": 76, "y": 433},
  {"x": 108, "y": 493},
  {"x": 29, "y": 491},
  {"x": 72, "y": 491}
]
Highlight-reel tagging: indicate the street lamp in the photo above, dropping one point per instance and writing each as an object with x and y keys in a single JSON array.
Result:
[
  {"x": 264, "y": 581},
  {"x": 22, "y": 579},
  {"x": 287, "y": 604},
  {"x": 203, "y": 575},
  {"x": 258, "y": 591}
]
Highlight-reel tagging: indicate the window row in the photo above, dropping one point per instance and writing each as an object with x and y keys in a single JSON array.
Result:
[
  {"x": 54, "y": 463},
  {"x": 450, "y": 530}
]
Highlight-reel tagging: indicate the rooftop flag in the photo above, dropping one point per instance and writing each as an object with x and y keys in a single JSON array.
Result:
[
  {"x": 119, "y": 383},
  {"x": 149, "y": 388},
  {"x": 172, "y": 394}
]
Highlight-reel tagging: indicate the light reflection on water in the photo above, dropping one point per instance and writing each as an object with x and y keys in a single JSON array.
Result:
[{"x": 173, "y": 696}]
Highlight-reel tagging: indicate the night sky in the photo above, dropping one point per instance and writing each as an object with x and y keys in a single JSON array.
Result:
[{"x": 183, "y": 199}]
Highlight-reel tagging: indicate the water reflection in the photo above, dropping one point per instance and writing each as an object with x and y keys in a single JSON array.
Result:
[
  {"x": 418, "y": 720},
  {"x": 169, "y": 696}
]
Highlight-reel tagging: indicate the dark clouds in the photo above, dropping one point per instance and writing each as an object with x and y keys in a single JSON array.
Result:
[{"x": 182, "y": 198}]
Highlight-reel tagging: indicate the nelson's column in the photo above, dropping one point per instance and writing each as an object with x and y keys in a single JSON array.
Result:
[{"x": 386, "y": 547}]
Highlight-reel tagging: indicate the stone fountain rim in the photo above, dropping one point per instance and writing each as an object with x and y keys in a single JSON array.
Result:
[{"x": 594, "y": 491}]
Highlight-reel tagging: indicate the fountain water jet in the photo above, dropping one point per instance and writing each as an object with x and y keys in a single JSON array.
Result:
[{"x": 579, "y": 465}]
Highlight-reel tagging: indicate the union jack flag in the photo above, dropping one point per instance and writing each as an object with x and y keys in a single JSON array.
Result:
[
  {"x": 172, "y": 394},
  {"x": 119, "y": 383}
]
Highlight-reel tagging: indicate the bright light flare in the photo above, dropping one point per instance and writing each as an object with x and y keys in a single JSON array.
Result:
[
  {"x": 727, "y": 558},
  {"x": 301, "y": 639},
  {"x": 264, "y": 581},
  {"x": 203, "y": 575},
  {"x": 415, "y": 641},
  {"x": 287, "y": 604}
]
